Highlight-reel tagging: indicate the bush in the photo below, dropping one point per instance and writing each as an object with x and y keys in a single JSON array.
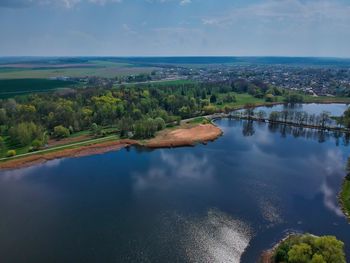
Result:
[
  {"x": 160, "y": 123},
  {"x": 209, "y": 109},
  {"x": 61, "y": 132},
  {"x": 37, "y": 144},
  {"x": 11, "y": 153},
  {"x": 269, "y": 98}
]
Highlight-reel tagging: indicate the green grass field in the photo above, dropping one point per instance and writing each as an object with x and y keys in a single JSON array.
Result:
[
  {"x": 312, "y": 99},
  {"x": 99, "y": 68},
  {"x": 13, "y": 87}
]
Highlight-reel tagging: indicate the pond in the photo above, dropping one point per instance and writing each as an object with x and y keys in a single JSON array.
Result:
[{"x": 221, "y": 202}]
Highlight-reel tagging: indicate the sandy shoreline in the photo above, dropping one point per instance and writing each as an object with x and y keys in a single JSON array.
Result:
[
  {"x": 73, "y": 152},
  {"x": 187, "y": 136},
  {"x": 183, "y": 136}
]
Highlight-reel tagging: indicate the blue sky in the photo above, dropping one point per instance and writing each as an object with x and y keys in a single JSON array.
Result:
[{"x": 175, "y": 27}]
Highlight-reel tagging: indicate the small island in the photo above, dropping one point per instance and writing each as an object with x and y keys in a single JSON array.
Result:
[{"x": 304, "y": 248}]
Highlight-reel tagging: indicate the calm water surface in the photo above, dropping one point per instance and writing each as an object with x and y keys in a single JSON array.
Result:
[{"x": 208, "y": 203}]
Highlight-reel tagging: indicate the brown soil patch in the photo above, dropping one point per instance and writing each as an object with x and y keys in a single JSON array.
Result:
[
  {"x": 81, "y": 138},
  {"x": 187, "y": 136}
]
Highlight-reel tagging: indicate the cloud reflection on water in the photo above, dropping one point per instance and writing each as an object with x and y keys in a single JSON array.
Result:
[
  {"x": 334, "y": 167},
  {"x": 18, "y": 174},
  {"x": 174, "y": 169}
]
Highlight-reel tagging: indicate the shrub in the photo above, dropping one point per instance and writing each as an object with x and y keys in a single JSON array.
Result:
[
  {"x": 61, "y": 132},
  {"x": 269, "y": 98},
  {"x": 11, "y": 153},
  {"x": 37, "y": 144}
]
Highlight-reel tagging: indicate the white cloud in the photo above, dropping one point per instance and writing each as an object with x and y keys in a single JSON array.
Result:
[
  {"x": 285, "y": 10},
  {"x": 181, "y": 2},
  {"x": 62, "y": 3},
  {"x": 185, "y": 2}
]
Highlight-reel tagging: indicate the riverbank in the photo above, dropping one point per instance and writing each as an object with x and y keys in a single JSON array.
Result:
[
  {"x": 344, "y": 198},
  {"x": 188, "y": 135},
  {"x": 267, "y": 256},
  {"x": 36, "y": 158},
  {"x": 184, "y": 135}
]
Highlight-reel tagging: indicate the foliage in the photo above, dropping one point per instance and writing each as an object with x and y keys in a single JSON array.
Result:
[
  {"x": 37, "y": 144},
  {"x": 61, "y": 132},
  {"x": 25, "y": 132},
  {"x": 301, "y": 118},
  {"x": 294, "y": 98},
  {"x": 24, "y": 119},
  {"x": 308, "y": 248},
  {"x": 346, "y": 118},
  {"x": 11, "y": 153},
  {"x": 345, "y": 195}
]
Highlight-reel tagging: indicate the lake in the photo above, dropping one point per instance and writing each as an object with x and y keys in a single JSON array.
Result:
[{"x": 221, "y": 202}]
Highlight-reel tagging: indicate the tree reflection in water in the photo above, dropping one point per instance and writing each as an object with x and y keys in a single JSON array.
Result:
[{"x": 321, "y": 136}]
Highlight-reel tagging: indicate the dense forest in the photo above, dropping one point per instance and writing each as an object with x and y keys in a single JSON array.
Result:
[{"x": 135, "y": 111}]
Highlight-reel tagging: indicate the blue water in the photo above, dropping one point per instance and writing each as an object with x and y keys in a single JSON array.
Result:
[{"x": 221, "y": 202}]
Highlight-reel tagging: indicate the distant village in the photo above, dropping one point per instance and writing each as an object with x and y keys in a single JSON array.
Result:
[{"x": 316, "y": 81}]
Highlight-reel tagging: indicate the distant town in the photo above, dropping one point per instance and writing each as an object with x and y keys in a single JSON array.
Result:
[{"x": 312, "y": 80}]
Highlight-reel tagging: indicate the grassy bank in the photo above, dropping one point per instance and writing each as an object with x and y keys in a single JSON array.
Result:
[
  {"x": 312, "y": 99},
  {"x": 183, "y": 135},
  {"x": 241, "y": 99},
  {"x": 345, "y": 198}
]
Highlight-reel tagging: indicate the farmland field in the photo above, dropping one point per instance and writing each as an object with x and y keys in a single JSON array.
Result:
[
  {"x": 49, "y": 69},
  {"x": 13, "y": 87}
]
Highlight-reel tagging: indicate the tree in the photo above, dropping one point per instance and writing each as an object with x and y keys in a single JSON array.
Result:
[
  {"x": 249, "y": 110},
  {"x": 95, "y": 129},
  {"x": 308, "y": 248},
  {"x": 25, "y": 132},
  {"x": 160, "y": 123},
  {"x": 294, "y": 98},
  {"x": 346, "y": 118},
  {"x": 269, "y": 98},
  {"x": 61, "y": 132},
  {"x": 37, "y": 144},
  {"x": 300, "y": 253},
  {"x": 317, "y": 258},
  {"x": 2, "y": 144},
  {"x": 261, "y": 114},
  {"x": 213, "y": 98},
  {"x": 331, "y": 249},
  {"x": 229, "y": 98},
  {"x": 347, "y": 169},
  {"x": 274, "y": 116}
]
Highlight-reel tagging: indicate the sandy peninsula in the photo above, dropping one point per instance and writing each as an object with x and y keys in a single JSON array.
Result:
[{"x": 186, "y": 135}]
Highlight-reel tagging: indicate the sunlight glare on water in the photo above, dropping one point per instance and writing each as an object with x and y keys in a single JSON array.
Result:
[{"x": 217, "y": 238}]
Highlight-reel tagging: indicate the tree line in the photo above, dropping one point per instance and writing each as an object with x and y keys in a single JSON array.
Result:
[{"x": 136, "y": 111}]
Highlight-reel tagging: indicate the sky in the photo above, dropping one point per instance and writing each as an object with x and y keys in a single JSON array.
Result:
[{"x": 175, "y": 28}]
